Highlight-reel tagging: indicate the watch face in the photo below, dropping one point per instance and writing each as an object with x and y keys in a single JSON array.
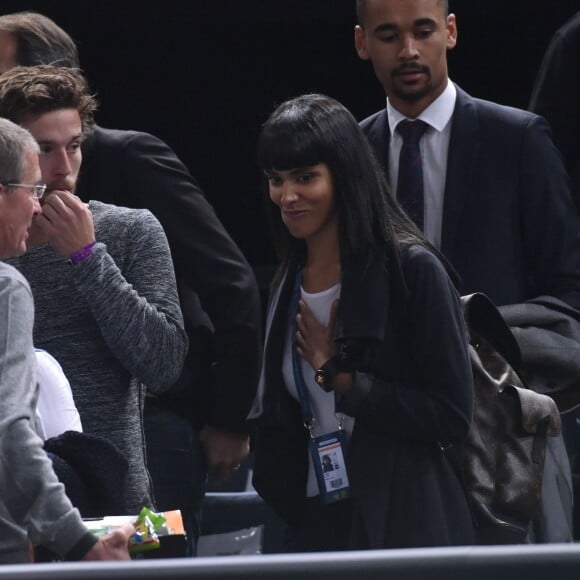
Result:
[
  {"x": 323, "y": 379},
  {"x": 320, "y": 378}
]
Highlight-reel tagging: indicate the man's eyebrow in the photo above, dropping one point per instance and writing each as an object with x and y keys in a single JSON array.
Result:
[
  {"x": 385, "y": 27},
  {"x": 390, "y": 27},
  {"x": 77, "y": 137},
  {"x": 424, "y": 22}
]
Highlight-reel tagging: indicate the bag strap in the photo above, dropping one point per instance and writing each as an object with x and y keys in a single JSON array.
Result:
[{"x": 484, "y": 319}]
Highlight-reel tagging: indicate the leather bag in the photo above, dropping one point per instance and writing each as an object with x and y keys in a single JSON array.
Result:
[{"x": 505, "y": 450}]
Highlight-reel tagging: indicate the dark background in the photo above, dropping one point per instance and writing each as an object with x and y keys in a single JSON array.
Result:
[{"x": 204, "y": 74}]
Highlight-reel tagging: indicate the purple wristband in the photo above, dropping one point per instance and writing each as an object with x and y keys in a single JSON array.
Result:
[{"x": 82, "y": 254}]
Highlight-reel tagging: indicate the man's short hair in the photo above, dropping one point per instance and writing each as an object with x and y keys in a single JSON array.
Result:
[
  {"x": 15, "y": 142},
  {"x": 35, "y": 90},
  {"x": 362, "y": 4},
  {"x": 40, "y": 40}
]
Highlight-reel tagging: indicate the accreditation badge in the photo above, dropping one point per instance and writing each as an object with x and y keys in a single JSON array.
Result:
[{"x": 327, "y": 452}]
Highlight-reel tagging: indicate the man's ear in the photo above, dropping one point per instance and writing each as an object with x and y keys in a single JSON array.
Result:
[
  {"x": 451, "y": 31},
  {"x": 360, "y": 42}
]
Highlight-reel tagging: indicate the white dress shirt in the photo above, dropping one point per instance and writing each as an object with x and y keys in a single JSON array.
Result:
[{"x": 434, "y": 147}]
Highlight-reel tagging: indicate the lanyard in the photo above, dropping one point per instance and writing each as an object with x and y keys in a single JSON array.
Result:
[
  {"x": 296, "y": 366},
  {"x": 326, "y": 451}
]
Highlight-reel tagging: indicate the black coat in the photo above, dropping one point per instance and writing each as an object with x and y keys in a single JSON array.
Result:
[
  {"x": 556, "y": 95},
  {"x": 218, "y": 292},
  {"x": 414, "y": 393},
  {"x": 510, "y": 228}
]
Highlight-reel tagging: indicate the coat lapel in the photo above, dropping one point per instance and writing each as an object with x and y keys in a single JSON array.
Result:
[
  {"x": 275, "y": 335},
  {"x": 377, "y": 132},
  {"x": 462, "y": 168}
]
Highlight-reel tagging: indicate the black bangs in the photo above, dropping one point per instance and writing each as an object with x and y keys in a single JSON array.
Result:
[{"x": 288, "y": 141}]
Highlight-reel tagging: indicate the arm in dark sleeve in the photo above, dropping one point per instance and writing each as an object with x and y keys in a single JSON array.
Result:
[
  {"x": 556, "y": 92},
  {"x": 549, "y": 222},
  {"x": 209, "y": 263},
  {"x": 435, "y": 403}
]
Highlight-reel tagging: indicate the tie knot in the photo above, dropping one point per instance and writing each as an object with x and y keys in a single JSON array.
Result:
[{"x": 412, "y": 131}]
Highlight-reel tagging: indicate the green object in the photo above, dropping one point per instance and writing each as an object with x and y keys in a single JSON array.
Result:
[{"x": 146, "y": 538}]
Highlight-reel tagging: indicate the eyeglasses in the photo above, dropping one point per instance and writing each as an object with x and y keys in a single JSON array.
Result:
[{"x": 36, "y": 191}]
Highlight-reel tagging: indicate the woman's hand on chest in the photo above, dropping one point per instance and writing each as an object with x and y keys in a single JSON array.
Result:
[{"x": 314, "y": 341}]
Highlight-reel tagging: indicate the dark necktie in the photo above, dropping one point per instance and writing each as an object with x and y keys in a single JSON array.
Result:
[{"x": 410, "y": 181}]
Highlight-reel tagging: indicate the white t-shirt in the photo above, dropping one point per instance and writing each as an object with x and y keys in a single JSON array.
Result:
[
  {"x": 56, "y": 410},
  {"x": 321, "y": 402}
]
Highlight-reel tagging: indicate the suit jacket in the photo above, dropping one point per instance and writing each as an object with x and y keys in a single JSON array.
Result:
[
  {"x": 413, "y": 390},
  {"x": 218, "y": 291},
  {"x": 509, "y": 225}
]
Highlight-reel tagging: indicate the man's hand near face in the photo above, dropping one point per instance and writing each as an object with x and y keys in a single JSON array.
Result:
[{"x": 67, "y": 223}]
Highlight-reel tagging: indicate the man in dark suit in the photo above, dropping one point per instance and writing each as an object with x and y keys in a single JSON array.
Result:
[
  {"x": 202, "y": 420},
  {"x": 496, "y": 196}
]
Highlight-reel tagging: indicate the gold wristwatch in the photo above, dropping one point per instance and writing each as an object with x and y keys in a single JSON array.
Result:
[{"x": 326, "y": 373}]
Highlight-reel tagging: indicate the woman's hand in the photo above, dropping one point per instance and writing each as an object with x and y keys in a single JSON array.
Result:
[{"x": 314, "y": 341}]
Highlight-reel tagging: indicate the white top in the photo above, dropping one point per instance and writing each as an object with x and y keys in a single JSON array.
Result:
[
  {"x": 434, "y": 147},
  {"x": 321, "y": 402},
  {"x": 56, "y": 409}
]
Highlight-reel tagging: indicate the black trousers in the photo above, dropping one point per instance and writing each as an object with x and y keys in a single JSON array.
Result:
[{"x": 324, "y": 527}]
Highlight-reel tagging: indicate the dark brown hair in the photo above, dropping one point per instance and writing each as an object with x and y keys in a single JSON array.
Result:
[{"x": 31, "y": 91}]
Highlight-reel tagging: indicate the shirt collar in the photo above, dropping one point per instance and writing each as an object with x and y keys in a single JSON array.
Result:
[{"x": 436, "y": 115}]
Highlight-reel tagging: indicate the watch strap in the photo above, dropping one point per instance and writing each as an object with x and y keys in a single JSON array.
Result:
[{"x": 331, "y": 366}]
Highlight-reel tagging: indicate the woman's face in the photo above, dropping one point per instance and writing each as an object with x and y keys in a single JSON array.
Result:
[{"x": 305, "y": 196}]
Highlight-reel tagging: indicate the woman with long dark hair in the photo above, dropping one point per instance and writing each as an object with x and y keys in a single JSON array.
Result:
[{"x": 366, "y": 390}]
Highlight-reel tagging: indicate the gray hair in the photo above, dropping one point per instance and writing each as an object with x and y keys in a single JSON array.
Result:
[{"x": 15, "y": 142}]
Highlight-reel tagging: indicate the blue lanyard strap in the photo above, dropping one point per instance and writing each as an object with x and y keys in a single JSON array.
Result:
[{"x": 296, "y": 366}]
